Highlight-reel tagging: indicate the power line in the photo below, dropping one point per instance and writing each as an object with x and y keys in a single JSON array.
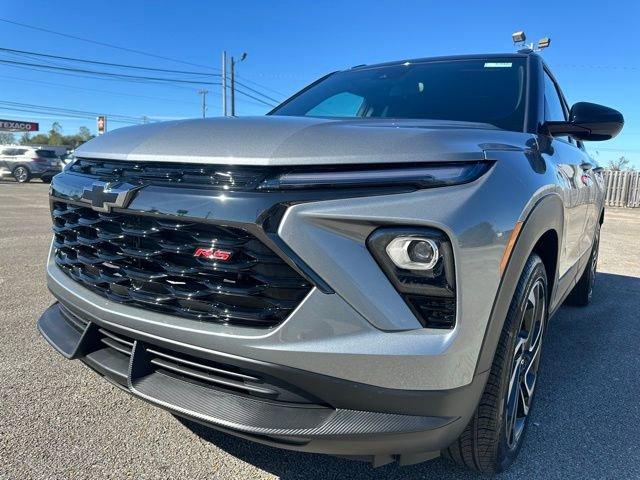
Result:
[
  {"x": 125, "y": 76},
  {"x": 104, "y": 44},
  {"x": 255, "y": 98},
  {"x": 97, "y": 62},
  {"x": 139, "y": 52},
  {"x": 64, "y": 115},
  {"x": 109, "y": 74},
  {"x": 285, "y": 95},
  {"x": 58, "y": 66},
  {"x": 164, "y": 84},
  {"x": 256, "y": 91},
  {"x": 109, "y": 92},
  {"x": 67, "y": 110},
  {"x": 67, "y": 74}
]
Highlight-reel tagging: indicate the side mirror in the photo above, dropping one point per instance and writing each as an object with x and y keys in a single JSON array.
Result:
[{"x": 588, "y": 121}]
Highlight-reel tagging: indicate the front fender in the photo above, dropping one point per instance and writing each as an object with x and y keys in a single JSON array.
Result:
[{"x": 547, "y": 214}]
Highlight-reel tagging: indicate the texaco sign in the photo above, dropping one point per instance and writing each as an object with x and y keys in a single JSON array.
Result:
[{"x": 18, "y": 126}]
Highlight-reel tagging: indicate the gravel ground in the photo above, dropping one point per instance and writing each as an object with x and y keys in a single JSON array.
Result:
[{"x": 60, "y": 420}]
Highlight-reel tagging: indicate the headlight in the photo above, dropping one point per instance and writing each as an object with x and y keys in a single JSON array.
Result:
[
  {"x": 67, "y": 166},
  {"x": 427, "y": 176}
]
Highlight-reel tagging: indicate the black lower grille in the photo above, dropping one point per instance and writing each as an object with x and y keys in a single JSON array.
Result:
[
  {"x": 110, "y": 353},
  {"x": 150, "y": 262},
  {"x": 219, "y": 376},
  {"x": 72, "y": 319},
  {"x": 119, "y": 343},
  {"x": 435, "y": 312}
]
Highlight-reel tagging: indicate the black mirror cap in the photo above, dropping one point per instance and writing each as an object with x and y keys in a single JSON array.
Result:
[
  {"x": 603, "y": 122},
  {"x": 589, "y": 122}
]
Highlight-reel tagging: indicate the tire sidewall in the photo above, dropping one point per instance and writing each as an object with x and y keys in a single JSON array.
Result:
[
  {"x": 15, "y": 174},
  {"x": 534, "y": 270},
  {"x": 592, "y": 271}
]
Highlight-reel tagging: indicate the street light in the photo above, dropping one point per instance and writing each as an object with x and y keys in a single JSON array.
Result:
[
  {"x": 544, "y": 43},
  {"x": 518, "y": 37}
]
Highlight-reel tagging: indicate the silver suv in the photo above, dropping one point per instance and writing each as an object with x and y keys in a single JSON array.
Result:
[
  {"x": 367, "y": 271},
  {"x": 24, "y": 163}
]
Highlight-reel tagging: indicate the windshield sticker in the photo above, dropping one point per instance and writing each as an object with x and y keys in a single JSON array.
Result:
[{"x": 497, "y": 65}]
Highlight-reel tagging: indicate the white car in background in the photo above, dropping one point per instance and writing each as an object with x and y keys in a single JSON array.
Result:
[{"x": 25, "y": 163}]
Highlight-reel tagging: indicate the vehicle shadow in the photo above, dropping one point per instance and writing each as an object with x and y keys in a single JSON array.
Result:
[
  {"x": 584, "y": 423},
  {"x": 11, "y": 181}
]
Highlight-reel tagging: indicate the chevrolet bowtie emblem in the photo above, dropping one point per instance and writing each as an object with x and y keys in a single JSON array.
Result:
[{"x": 103, "y": 196}]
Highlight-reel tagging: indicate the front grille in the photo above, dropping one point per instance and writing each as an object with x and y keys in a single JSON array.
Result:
[
  {"x": 215, "y": 176},
  {"x": 149, "y": 262}
]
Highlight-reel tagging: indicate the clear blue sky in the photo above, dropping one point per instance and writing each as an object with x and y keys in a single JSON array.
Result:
[{"x": 291, "y": 43}]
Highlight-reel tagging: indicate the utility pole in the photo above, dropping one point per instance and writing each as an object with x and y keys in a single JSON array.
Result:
[
  {"x": 204, "y": 101},
  {"x": 233, "y": 82},
  {"x": 233, "y": 87},
  {"x": 224, "y": 84}
]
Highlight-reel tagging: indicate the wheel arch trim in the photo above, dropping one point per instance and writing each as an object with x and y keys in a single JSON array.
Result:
[{"x": 546, "y": 215}]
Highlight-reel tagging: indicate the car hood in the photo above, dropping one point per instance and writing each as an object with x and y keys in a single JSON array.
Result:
[{"x": 280, "y": 140}]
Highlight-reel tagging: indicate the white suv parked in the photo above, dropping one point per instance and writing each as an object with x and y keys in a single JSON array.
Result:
[{"x": 25, "y": 163}]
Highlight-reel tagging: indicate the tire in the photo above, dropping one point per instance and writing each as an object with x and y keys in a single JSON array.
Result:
[
  {"x": 46, "y": 179},
  {"x": 492, "y": 439},
  {"x": 581, "y": 294},
  {"x": 21, "y": 174}
]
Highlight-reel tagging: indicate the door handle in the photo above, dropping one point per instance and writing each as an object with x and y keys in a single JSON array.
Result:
[{"x": 586, "y": 166}]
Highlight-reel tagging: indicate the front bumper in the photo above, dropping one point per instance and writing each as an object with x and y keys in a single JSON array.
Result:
[
  {"x": 353, "y": 325},
  {"x": 329, "y": 415},
  {"x": 375, "y": 382}
]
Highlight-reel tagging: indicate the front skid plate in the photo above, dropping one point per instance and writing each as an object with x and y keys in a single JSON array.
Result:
[{"x": 77, "y": 339}]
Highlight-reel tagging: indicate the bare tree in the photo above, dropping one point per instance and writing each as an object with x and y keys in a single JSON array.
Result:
[
  {"x": 621, "y": 163},
  {"x": 7, "y": 138}
]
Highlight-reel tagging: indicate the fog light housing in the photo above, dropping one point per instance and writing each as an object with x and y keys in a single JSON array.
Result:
[
  {"x": 419, "y": 263},
  {"x": 413, "y": 253}
]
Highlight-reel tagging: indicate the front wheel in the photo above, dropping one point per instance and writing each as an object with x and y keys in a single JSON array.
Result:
[
  {"x": 21, "y": 174},
  {"x": 493, "y": 437}
]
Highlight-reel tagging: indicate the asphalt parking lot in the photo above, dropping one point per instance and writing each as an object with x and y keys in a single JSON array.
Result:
[{"x": 60, "y": 420}]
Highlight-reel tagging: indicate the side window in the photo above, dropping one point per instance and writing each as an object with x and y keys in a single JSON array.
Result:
[
  {"x": 553, "y": 109},
  {"x": 343, "y": 104},
  {"x": 554, "y": 106}
]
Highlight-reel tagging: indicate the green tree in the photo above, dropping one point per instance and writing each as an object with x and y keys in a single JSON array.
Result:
[
  {"x": 25, "y": 138},
  {"x": 85, "y": 134},
  {"x": 55, "y": 134},
  {"x": 7, "y": 138},
  {"x": 55, "y": 137},
  {"x": 40, "y": 139}
]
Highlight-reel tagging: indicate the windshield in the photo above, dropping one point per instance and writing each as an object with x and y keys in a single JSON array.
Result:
[
  {"x": 477, "y": 90},
  {"x": 46, "y": 153}
]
